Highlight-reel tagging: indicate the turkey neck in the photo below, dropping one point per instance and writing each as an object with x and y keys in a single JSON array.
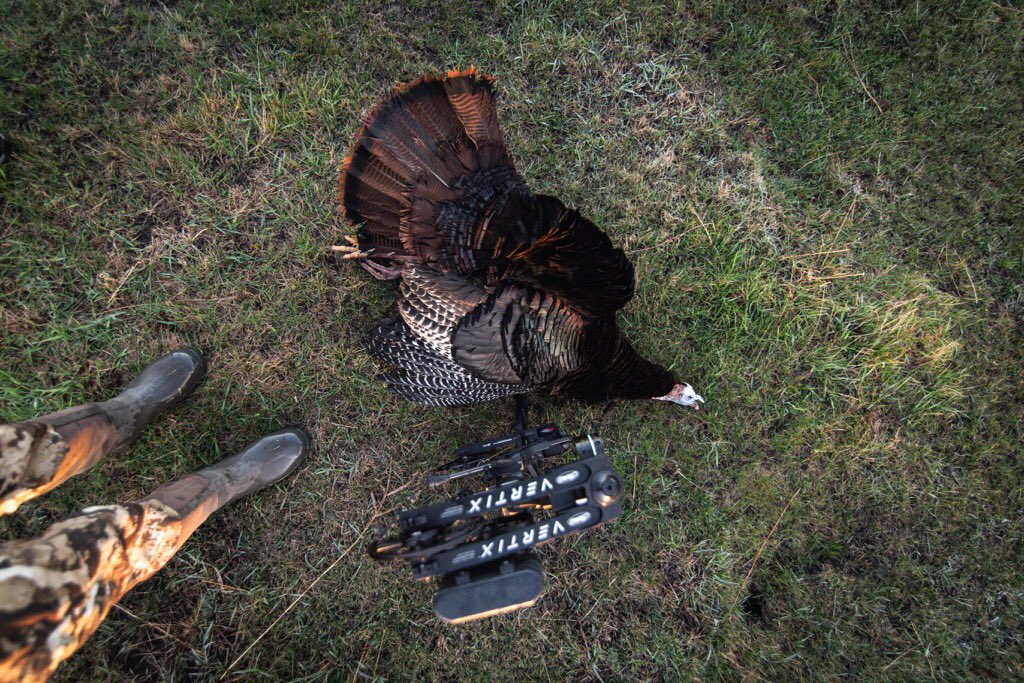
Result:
[{"x": 615, "y": 370}]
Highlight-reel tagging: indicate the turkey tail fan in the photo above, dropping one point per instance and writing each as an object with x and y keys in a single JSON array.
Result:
[
  {"x": 421, "y": 375},
  {"x": 409, "y": 155}
]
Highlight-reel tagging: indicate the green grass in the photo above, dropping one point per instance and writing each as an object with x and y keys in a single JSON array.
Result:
[{"x": 824, "y": 206}]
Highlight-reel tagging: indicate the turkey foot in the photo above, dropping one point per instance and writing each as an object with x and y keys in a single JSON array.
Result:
[{"x": 377, "y": 271}]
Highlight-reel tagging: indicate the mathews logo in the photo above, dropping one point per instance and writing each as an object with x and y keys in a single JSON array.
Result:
[{"x": 514, "y": 494}]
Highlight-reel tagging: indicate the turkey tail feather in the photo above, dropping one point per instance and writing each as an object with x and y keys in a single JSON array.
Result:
[{"x": 473, "y": 100}]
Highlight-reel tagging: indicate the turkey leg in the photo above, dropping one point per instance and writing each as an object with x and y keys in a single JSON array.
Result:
[
  {"x": 377, "y": 270},
  {"x": 522, "y": 415}
]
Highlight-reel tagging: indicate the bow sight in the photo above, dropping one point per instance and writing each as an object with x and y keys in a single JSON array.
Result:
[{"x": 477, "y": 545}]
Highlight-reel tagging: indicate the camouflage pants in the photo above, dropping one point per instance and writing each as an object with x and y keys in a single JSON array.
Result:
[
  {"x": 56, "y": 589},
  {"x": 37, "y": 456}
]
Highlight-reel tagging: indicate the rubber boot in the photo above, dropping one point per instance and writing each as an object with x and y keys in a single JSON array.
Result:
[
  {"x": 40, "y": 454},
  {"x": 261, "y": 464}
]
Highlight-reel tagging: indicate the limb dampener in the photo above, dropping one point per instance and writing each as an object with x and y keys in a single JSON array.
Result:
[{"x": 478, "y": 544}]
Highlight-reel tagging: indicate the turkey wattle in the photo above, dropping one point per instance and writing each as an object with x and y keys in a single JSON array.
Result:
[{"x": 503, "y": 291}]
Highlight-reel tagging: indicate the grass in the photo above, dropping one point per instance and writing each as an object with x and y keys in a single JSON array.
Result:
[{"x": 824, "y": 206}]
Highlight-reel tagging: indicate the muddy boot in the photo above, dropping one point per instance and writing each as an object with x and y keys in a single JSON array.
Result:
[
  {"x": 261, "y": 464},
  {"x": 163, "y": 383},
  {"x": 40, "y": 454}
]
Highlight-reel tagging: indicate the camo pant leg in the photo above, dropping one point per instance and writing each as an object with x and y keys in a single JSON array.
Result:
[
  {"x": 39, "y": 455},
  {"x": 55, "y": 590}
]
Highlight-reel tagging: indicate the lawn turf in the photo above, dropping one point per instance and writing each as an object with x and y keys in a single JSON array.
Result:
[{"x": 824, "y": 206}]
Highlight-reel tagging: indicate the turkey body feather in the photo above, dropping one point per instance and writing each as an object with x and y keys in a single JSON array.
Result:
[{"x": 502, "y": 291}]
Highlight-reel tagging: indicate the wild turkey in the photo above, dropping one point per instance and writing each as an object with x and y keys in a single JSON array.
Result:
[{"x": 503, "y": 291}]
